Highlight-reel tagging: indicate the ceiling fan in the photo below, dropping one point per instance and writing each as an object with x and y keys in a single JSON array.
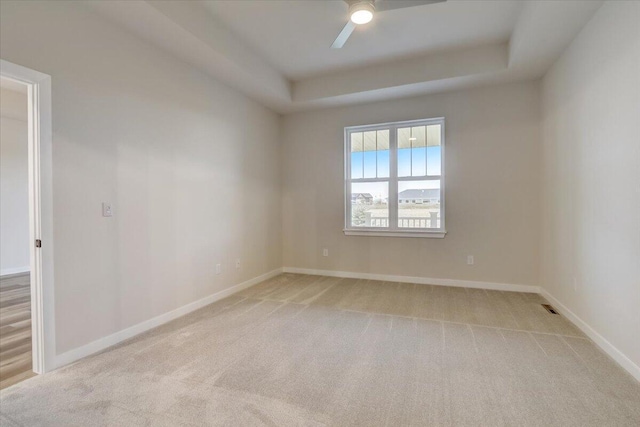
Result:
[{"x": 362, "y": 11}]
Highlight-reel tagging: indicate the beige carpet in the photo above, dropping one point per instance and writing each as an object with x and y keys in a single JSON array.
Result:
[{"x": 310, "y": 350}]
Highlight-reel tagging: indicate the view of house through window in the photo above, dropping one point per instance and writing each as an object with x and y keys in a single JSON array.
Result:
[{"x": 394, "y": 177}]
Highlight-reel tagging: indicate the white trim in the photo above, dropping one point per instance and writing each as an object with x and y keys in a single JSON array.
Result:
[
  {"x": 15, "y": 270},
  {"x": 388, "y": 233},
  {"x": 40, "y": 210},
  {"x": 622, "y": 360},
  {"x": 115, "y": 338},
  {"x": 419, "y": 280}
]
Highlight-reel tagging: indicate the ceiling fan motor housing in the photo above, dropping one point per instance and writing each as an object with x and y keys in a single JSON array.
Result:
[{"x": 361, "y": 6}]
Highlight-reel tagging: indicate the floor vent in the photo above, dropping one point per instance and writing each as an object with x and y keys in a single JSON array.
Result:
[{"x": 550, "y": 309}]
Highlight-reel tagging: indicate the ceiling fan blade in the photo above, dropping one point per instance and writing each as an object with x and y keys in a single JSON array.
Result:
[
  {"x": 382, "y": 5},
  {"x": 344, "y": 35}
]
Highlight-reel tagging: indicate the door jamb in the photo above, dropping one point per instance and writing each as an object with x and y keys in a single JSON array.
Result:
[{"x": 39, "y": 125}]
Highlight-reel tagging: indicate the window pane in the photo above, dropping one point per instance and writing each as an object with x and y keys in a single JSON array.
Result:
[
  {"x": 418, "y": 151},
  {"x": 412, "y": 151},
  {"x": 357, "y": 156},
  {"x": 404, "y": 152},
  {"x": 383, "y": 153},
  {"x": 370, "y": 154},
  {"x": 418, "y": 137},
  {"x": 356, "y": 142},
  {"x": 356, "y": 165},
  {"x": 419, "y": 204},
  {"x": 418, "y": 161},
  {"x": 403, "y": 137},
  {"x": 370, "y": 164},
  {"x": 434, "y": 150},
  {"x": 434, "y": 160},
  {"x": 370, "y": 204},
  {"x": 404, "y": 162}
]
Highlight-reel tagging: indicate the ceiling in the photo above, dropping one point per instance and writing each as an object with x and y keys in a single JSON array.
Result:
[
  {"x": 278, "y": 52},
  {"x": 299, "y": 33}
]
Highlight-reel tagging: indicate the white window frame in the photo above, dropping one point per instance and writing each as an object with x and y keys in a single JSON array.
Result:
[{"x": 393, "y": 230}]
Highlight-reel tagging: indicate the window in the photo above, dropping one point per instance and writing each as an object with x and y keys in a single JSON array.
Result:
[{"x": 394, "y": 179}]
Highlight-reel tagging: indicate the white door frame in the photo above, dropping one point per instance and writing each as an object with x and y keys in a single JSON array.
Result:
[{"x": 40, "y": 211}]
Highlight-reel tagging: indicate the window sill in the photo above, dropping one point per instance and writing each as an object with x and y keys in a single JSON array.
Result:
[{"x": 440, "y": 234}]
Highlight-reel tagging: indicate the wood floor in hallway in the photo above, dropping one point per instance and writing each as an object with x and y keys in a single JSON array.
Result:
[{"x": 15, "y": 329}]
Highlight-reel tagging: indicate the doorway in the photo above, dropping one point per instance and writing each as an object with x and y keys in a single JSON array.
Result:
[
  {"x": 15, "y": 285},
  {"x": 27, "y": 340}
]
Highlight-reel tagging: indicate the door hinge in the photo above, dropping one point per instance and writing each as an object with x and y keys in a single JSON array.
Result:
[{"x": 38, "y": 243}]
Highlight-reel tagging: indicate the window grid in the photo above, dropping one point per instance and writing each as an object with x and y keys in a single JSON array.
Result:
[{"x": 391, "y": 225}]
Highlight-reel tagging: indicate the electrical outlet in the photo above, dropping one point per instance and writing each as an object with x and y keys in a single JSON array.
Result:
[
  {"x": 470, "y": 260},
  {"x": 325, "y": 252},
  {"x": 107, "y": 210},
  {"x": 237, "y": 264},
  {"x": 218, "y": 268}
]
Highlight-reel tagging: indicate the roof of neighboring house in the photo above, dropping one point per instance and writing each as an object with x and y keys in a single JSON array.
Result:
[
  {"x": 365, "y": 195},
  {"x": 433, "y": 193}
]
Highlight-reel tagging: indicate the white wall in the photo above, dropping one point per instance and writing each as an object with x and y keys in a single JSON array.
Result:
[
  {"x": 191, "y": 167},
  {"x": 591, "y": 177},
  {"x": 14, "y": 183},
  {"x": 193, "y": 170},
  {"x": 492, "y": 194}
]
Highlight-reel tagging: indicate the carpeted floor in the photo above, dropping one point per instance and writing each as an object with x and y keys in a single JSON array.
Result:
[{"x": 311, "y": 350}]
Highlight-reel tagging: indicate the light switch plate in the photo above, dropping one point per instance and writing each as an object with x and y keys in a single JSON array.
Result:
[{"x": 107, "y": 210}]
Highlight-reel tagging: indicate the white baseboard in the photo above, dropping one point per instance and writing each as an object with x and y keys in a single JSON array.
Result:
[
  {"x": 113, "y": 339},
  {"x": 15, "y": 270},
  {"x": 420, "y": 280},
  {"x": 605, "y": 345}
]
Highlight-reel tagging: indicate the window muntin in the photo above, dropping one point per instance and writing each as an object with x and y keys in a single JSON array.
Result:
[{"x": 394, "y": 178}]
